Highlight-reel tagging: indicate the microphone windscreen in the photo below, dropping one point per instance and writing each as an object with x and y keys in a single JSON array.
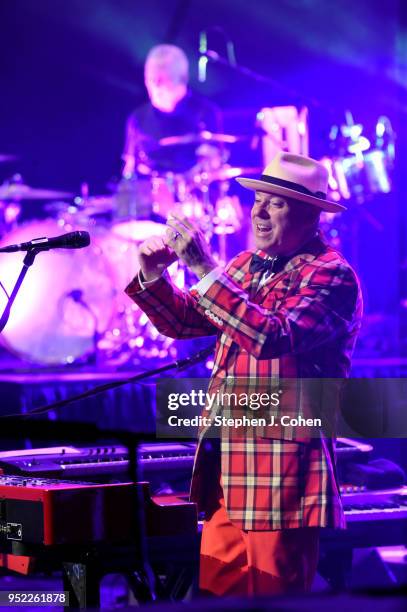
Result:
[
  {"x": 72, "y": 240},
  {"x": 84, "y": 238}
]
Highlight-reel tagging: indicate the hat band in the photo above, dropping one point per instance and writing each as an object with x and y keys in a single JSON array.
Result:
[{"x": 290, "y": 185}]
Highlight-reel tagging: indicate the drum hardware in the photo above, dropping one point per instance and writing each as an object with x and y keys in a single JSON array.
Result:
[
  {"x": 210, "y": 158},
  {"x": 385, "y": 139},
  {"x": 59, "y": 207},
  {"x": 94, "y": 205},
  {"x": 366, "y": 175},
  {"x": 228, "y": 215},
  {"x": 76, "y": 295},
  {"x": 140, "y": 163},
  {"x": 133, "y": 210},
  {"x": 141, "y": 204},
  {"x": 132, "y": 199},
  {"x": 132, "y": 338},
  {"x": 362, "y": 169},
  {"x": 226, "y": 220},
  {"x": 223, "y": 212},
  {"x": 357, "y": 170},
  {"x": 337, "y": 184},
  {"x": 15, "y": 190},
  {"x": 129, "y": 336},
  {"x": 167, "y": 189},
  {"x": 227, "y": 173},
  {"x": 191, "y": 191},
  {"x": 201, "y": 137}
]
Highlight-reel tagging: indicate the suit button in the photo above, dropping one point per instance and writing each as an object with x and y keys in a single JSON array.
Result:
[{"x": 208, "y": 312}]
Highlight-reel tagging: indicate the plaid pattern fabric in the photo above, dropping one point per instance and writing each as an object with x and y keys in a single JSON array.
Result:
[{"x": 302, "y": 323}]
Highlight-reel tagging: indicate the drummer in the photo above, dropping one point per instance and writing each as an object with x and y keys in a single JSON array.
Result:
[{"x": 173, "y": 109}]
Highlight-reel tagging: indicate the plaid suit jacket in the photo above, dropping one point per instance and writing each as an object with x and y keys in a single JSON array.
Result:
[{"x": 303, "y": 322}]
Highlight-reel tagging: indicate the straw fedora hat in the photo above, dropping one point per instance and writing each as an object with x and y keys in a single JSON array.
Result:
[{"x": 297, "y": 177}]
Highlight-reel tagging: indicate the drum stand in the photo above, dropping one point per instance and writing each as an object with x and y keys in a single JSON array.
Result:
[{"x": 27, "y": 263}]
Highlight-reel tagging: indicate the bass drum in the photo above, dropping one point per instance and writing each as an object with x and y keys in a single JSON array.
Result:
[{"x": 68, "y": 297}]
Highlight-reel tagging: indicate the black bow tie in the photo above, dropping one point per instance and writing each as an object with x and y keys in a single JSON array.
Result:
[{"x": 259, "y": 264}]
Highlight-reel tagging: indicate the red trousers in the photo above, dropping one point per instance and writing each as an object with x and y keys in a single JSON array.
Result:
[{"x": 245, "y": 563}]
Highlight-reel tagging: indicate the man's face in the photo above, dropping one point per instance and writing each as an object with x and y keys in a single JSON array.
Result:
[
  {"x": 163, "y": 90},
  {"x": 280, "y": 225}
]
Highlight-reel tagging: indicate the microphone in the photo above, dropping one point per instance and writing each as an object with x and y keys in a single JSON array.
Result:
[
  {"x": 203, "y": 60},
  {"x": 72, "y": 240}
]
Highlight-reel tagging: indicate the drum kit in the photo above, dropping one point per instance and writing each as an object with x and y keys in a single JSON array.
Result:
[
  {"x": 360, "y": 167},
  {"x": 72, "y": 308}
]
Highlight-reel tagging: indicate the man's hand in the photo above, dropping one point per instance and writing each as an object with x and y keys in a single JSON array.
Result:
[
  {"x": 154, "y": 256},
  {"x": 189, "y": 244}
]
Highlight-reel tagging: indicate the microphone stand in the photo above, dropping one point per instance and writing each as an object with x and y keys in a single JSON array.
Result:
[
  {"x": 180, "y": 364},
  {"x": 27, "y": 263},
  {"x": 216, "y": 58}
]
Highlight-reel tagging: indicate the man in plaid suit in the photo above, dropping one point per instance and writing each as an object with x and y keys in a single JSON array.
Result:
[{"x": 291, "y": 309}]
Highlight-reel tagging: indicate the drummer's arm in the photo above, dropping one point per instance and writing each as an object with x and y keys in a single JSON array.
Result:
[{"x": 172, "y": 311}]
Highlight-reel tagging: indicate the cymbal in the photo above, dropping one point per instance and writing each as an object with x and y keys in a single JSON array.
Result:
[
  {"x": 5, "y": 157},
  {"x": 19, "y": 191},
  {"x": 96, "y": 205},
  {"x": 226, "y": 173},
  {"x": 199, "y": 138}
]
